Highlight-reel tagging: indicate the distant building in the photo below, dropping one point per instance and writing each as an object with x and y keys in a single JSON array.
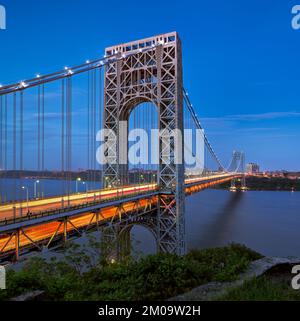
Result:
[{"x": 252, "y": 168}]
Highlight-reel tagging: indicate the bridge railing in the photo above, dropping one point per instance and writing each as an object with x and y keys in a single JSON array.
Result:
[{"x": 62, "y": 210}]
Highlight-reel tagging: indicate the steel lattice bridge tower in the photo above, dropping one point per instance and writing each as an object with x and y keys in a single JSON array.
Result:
[
  {"x": 163, "y": 67},
  {"x": 130, "y": 74}
]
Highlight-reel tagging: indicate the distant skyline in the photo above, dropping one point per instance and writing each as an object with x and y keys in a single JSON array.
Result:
[{"x": 240, "y": 61}]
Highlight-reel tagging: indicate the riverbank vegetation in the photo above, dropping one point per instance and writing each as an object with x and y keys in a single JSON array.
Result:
[
  {"x": 82, "y": 276},
  {"x": 274, "y": 285}
]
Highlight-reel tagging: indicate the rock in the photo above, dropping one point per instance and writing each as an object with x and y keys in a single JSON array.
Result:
[
  {"x": 256, "y": 268},
  {"x": 29, "y": 296}
]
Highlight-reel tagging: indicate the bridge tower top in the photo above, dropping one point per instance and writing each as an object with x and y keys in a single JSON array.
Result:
[{"x": 129, "y": 47}]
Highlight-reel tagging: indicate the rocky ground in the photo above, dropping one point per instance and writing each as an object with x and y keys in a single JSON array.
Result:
[{"x": 277, "y": 269}]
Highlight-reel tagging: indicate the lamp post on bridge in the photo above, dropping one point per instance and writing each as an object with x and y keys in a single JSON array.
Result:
[
  {"x": 27, "y": 197},
  {"x": 77, "y": 180},
  {"x": 35, "y": 188},
  {"x": 86, "y": 192}
]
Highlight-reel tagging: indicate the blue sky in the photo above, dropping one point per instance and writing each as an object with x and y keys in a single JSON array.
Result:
[{"x": 241, "y": 60}]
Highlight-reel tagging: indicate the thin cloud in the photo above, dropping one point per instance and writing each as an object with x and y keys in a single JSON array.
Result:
[
  {"x": 253, "y": 117},
  {"x": 257, "y": 129}
]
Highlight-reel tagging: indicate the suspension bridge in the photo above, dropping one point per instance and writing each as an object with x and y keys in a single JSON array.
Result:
[{"x": 52, "y": 188}]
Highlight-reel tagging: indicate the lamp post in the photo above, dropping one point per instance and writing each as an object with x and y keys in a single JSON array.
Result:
[
  {"x": 85, "y": 184},
  {"x": 27, "y": 197},
  {"x": 35, "y": 189},
  {"x": 77, "y": 180}
]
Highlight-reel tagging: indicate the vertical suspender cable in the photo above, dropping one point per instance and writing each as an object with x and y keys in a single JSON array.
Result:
[
  {"x": 38, "y": 136},
  {"x": 91, "y": 92},
  {"x": 5, "y": 143},
  {"x": 1, "y": 148},
  {"x": 21, "y": 140},
  {"x": 70, "y": 100},
  {"x": 94, "y": 127},
  {"x": 1, "y": 134},
  {"x": 21, "y": 130},
  {"x": 100, "y": 114},
  {"x": 63, "y": 134},
  {"x": 67, "y": 135},
  {"x": 39, "y": 139},
  {"x": 43, "y": 138},
  {"x": 15, "y": 144},
  {"x": 69, "y": 131},
  {"x": 88, "y": 128}
]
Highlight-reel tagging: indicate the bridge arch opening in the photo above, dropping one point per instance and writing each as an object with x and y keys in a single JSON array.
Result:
[
  {"x": 137, "y": 239},
  {"x": 143, "y": 141}
]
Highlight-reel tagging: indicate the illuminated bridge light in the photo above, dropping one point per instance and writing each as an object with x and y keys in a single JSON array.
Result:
[{"x": 23, "y": 84}]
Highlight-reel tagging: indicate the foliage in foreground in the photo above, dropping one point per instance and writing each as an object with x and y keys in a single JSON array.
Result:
[
  {"x": 262, "y": 289},
  {"x": 160, "y": 276}
]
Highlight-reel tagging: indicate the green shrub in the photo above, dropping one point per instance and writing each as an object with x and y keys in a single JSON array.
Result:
[
  {"x": 261, "y": 289},
  {"x": 153, "y": 277}
]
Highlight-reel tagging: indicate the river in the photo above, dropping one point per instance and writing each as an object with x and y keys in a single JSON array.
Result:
[{"x": 268, "y": 222}]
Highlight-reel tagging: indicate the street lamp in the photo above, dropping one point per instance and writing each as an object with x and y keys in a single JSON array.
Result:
[
  {"x": 77, "y": 180},
  {"x": 35, "y": 189},
  {"x": 27, "y": 197},
  {"x": 86, "y": 192}
]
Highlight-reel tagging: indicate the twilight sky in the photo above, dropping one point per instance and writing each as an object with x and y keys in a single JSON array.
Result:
[{"x": 241, "y": 60}]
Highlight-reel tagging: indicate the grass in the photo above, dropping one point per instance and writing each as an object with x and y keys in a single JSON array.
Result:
[
  {"x": 273, "y": 286},
  {"x": 154, "y": 277}
]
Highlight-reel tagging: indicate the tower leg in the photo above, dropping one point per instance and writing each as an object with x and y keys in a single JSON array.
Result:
[
  {"x": 243, "y": 183},
  {"x": 116, "y": 243},
  {"x": 110, "y": 243},
  {"x": 233, "y": 185},
  {"x": 171, "y": 227}
]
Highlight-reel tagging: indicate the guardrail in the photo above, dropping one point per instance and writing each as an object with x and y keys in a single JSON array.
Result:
[{"x": 50, "y": 212}]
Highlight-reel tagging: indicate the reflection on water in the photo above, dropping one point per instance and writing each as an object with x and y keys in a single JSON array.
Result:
[
  {"x": 217, "y": 230},
  {"x": 267, "y": 222}
]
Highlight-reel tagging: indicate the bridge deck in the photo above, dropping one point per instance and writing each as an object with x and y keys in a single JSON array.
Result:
[
  {"x": 47, "y": 215},
  {"x": 52, "y": 204}
]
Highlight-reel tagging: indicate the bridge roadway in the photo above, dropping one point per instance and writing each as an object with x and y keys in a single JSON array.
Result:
[
  {"x": 47, "y": 215},
  {"x": 53, "y": 203}
]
